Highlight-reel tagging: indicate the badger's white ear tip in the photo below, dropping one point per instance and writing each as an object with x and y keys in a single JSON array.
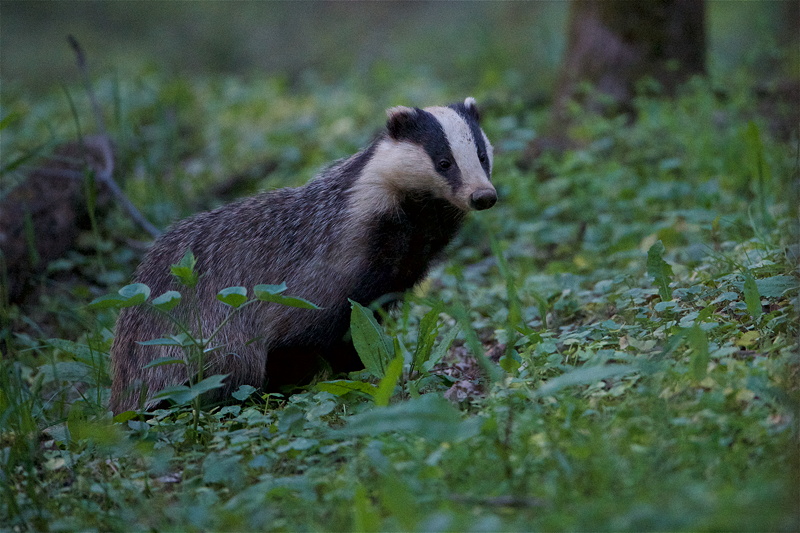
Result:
[
  {"x": 470, "y": 102},
  {"x": 400, "y": 110}
]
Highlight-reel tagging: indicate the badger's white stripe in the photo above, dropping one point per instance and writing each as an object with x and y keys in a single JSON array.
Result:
[
  {"x": 489, "y": 151},
  {"x": 462, "y": 145},
  {"x": 399, "y": 110}
]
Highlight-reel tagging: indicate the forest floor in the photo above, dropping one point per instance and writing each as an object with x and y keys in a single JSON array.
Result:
[{"x": 613, "y": 346}]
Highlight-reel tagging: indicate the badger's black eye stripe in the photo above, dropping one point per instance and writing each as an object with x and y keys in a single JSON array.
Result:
[{"x": 426, "y": 131}]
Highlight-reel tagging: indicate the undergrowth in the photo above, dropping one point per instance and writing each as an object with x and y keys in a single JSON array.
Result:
[{"x": 630, "y": 308}]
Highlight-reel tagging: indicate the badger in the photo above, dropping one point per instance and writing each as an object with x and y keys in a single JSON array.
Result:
[{"x": 368, "y": 226}]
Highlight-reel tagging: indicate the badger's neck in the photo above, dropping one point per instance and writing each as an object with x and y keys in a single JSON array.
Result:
[
  {"x": 402, "y": 225},
  {"x": 402, "y": 245}
]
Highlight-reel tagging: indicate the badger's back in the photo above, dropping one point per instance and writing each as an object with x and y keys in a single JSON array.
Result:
[{"x": 355, "y": 232}]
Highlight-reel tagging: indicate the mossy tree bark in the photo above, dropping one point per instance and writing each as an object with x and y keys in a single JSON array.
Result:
[{"x": 612, "y": 44}]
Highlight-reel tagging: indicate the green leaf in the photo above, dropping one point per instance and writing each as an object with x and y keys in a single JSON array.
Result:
[
  {"x": 270, "y": 289},
  {"x": 441, "y": 349},
  {"x": 136, "y": 293},
  {"x": 541, "y": 305},
  {"x": 706, "y": 313},
  {"x": 291, "y": 419},
  {"x": 164, "y": 361},
  {"x": 184, "y": 270},
  {"x": 752, "y": 298},
  {"x": 773, "y": 286},
  {"x": 366, "y": 517},
  {"x": 321, "y": 409},
  {"x": 660, "y": 270},
  {"x": 127, "y": 296},
  {"x": 776, "y": 286},
  {"x": 210, "y": 383},
  {"x": 428, "y": 330},
  {"x": 79, "y": 351},
  {"x": 343, "y": 386},
  {"x": 181, "y": 394},
  {"x": 243, "y": 392},
  {"x": 167, "y": 301},
  {"x": 9, "y": 119},
  {"x": 69, "y": 371},
  {"x": 698, "y": 341},
  {"x": 291, "y": 301},
  {"x": 77, "y": 418},
  {"x": 389, "y": 381},
  {"x": 124, "y": 416},
  {"x": 761, "y": 172},
  {"x": 14, "y": 163},
  {"x": 271, "y": 293},
  {"x": 585, "y": 375},
  {"x": 510, "y": 363},
  {"x": 374, "y": 348},
  {"x": 219, "y": 468},
  {"x": 397, "y": 498},
  {"x": 514, "y": 317},
  {"x": 180, "y": 339},
  {"x": 492, "y": 372},
  {"x": 107, "y": 301},
  {"x": 662, "y": 306},
  {"x": 178, "y": 394},
  {"x": 233, "y": 296}
]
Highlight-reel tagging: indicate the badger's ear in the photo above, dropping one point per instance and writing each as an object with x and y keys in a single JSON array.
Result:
[
  {"x": 471, "y": 108},
  {"x": 401, "y": 121}
]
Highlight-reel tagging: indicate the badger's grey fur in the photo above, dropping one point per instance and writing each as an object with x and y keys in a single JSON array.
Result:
[{"x": 367, "y": 226}]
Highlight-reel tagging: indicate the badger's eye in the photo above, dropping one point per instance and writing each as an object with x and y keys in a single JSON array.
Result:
[
  {"x": 482, "y": 157},
  {"x": 444, "y": 164}
]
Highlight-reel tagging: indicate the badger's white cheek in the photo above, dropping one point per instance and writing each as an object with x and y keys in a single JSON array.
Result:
[
  {"x": 396, "y": 169},
  {"x": 419, "y": 175}
]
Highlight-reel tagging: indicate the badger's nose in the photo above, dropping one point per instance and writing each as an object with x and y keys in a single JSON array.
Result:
[{"x": 483, "y": 199}]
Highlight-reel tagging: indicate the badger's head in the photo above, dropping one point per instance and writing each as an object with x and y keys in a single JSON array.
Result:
[{"x": 437, "y": 151}]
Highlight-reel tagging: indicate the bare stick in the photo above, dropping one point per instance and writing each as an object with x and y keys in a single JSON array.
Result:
[{"x": 105, "y": 174}]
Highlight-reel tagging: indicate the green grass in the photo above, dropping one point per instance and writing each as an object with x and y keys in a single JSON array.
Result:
[{"x": 642, "y": 386}]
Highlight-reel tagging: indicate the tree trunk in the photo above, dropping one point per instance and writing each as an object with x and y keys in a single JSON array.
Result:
[{"x": 612, "y": 44}]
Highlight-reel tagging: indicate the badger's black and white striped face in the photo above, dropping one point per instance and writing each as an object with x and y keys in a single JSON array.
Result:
[{"x": 439, "y": 151}]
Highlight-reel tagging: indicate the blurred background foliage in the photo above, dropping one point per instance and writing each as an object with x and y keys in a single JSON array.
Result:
[{"x": 468, "y": 44}]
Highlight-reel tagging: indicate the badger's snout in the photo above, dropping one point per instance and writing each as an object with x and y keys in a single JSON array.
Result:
[{"x": 483, "y": 199}]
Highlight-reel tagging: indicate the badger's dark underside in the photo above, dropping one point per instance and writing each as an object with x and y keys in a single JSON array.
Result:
[{"x": 402, "y": 249}]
